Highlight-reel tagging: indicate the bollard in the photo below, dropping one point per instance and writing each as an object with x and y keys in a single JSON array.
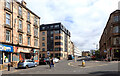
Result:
[
  {"x": 83, "y": 63},
  {"x": 8, "y": 67}
]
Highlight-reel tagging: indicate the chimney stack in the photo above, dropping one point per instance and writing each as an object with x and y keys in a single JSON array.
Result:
[{"x": 23, "y": 3}]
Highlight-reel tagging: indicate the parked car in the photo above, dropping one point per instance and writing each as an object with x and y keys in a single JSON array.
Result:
[
  {"x": 70, "y": 57},
  {"x": 43, "y": 61},
  {"x": 26, "y": 63},
  {"x": 56, "y": 60}
]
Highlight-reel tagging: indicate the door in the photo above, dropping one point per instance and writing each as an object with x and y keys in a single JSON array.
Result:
[{"x": 1, "y": 57}]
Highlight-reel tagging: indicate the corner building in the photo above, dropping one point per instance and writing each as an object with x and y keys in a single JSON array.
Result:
[
  {"x": 110, "y": 38},
  {"x": 54, "y": 38},
  {"x": 19, "y": 32}
]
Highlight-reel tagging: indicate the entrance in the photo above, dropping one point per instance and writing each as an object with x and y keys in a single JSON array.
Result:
[
  {"x": 117, "y": 53},
  {"x": 1, "y": 57}
]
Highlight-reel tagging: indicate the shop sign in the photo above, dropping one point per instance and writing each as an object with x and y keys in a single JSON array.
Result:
[
  {"x": 6, "y": 48},
  {"x": 24, "y": 51}
]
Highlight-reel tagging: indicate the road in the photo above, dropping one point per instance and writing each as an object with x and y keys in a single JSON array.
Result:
[{"x": 65, "y": 67}]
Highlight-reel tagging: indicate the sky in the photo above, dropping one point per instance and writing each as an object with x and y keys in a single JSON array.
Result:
[{"x": 85, "y": 19}]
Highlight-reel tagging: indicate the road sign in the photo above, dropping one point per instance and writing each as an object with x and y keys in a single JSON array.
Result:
[{"x": 48, "y": 53}]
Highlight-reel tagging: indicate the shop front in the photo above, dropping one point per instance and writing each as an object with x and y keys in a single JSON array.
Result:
[
  {"x": 36, "y": 55},
  {"x": 5, "y": 53}
]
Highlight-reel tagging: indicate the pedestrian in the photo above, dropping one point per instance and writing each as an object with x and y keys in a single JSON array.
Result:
[{"x": 51, "y": 63}]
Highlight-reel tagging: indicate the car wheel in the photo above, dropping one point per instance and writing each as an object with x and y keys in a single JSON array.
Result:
[
  {"x": 35, "y": 65},
  {"x": 26, "y": 66}
]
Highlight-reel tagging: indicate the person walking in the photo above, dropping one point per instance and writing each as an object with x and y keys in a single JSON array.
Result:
[{"x": 51, "y": 63}]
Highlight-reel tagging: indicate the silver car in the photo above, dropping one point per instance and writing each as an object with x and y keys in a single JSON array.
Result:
[{"x": 27, "y": 63}]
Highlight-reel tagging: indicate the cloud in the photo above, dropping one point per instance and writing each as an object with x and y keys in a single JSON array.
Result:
[{"x": 85, "y": 19}]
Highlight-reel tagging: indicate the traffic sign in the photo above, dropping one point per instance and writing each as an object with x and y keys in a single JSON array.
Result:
[{"x": 48, "y": 53}]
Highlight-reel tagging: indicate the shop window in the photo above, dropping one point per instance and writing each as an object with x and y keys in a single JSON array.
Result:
[
  {"x": 15, "y": 57},
  {"x": 7, "y": 57}
]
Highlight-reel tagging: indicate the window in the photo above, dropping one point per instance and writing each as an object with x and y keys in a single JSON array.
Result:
[
  {"x": 43, "y": 44},
  {"x": 51, "y": 38},
  {"x": 56, "y": 31},
  {"x": 51, "y": 26},
  {"x": 35, "y": 31},
  {"x": 58, "y": 43},
  {"x": 58, "y": 37},
  {"x": 43, "y": 38},
  {"x": 56, "y": 26},
  {"x": 7, "y": 19},
  {"x": 116, "y": 40},
  {"x": 7, "y": 35},
  {"x": 28, "y": 28},
  {"x": 116, "y": 18},
  {"x": 20, "y": 24},
  {"x": 28, "y": 40},
  {"x": 8, "y": 4},
  {"x": 35, "y": 20},
  {"x": 43, "y": 49},
  {"x": 43, "y": 55},
  {"x": 28, "y": 16},
  {"x": 43, "y": 28},
  {"x": 35, "y": 42},
  {"x": 51, "y": 32},
  {"x": 116, "y": 29},
  {"x": 20, "y": 38},
  {"x": 20, "y": 11},
  {"x": 43, "y": 33}
]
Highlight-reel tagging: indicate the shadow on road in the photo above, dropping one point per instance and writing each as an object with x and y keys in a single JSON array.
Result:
[{"x": 106, "y": 73}]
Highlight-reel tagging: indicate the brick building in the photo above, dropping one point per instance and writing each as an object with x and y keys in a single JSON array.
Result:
[
  {"x": 19, "y": 32},
  {"x": 110, "y": 39},
  {"x": 54, "y": 38}
]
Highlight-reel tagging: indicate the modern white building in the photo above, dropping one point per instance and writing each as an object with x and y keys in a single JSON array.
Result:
[{"x": 77, "y": 52}]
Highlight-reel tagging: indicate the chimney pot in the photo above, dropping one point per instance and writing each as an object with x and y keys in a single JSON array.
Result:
[{"x": 23, "y": 2}]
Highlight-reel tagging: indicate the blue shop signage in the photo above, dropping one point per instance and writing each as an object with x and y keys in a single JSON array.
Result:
[{"x": 6, "y": 48}]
